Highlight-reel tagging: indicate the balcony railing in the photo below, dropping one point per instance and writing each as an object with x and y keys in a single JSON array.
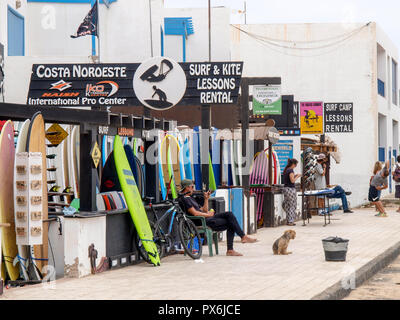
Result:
[{"x": 381, "y": 88}]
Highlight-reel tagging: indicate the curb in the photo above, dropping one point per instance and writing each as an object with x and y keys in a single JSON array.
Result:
[{"x": 337, "y": 292}]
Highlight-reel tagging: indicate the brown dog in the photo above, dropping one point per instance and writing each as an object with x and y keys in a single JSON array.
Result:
[{"x": 281, "y": 244}]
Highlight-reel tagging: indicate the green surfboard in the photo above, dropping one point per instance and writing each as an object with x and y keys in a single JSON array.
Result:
[
  {"x": 211, "y": 177},
  {"x": 171, "y": 174},
  {"x": 134, "y": 201}
]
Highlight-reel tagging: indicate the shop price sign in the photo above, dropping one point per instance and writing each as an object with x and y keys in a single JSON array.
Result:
[{"x": 338, "y": 117}]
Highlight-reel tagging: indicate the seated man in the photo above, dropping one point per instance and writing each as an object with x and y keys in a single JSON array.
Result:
[
  {"x": 320, "y": 183},
  {"x": 217, "y": 222}
]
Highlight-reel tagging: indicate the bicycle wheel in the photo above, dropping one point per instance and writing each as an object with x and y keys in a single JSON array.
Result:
[
  {"x": 190, "y": 238},
  {"x": 159, "y": 240}
]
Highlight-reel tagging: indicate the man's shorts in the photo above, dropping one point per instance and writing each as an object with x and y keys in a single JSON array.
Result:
[
  {"x": 397, "y": 193},
  {"x": 373, "y": 194}
]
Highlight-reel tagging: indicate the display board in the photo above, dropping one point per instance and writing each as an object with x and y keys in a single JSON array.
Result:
[
  {"x": 338, "y": 117},
  {"x": 267, "y": 100},
  {"x": 28, "y": 198},
  {"x": 284, "y": 150},
  {"x": 311, "y": 117},
  {"x": 76, "y": 85}
]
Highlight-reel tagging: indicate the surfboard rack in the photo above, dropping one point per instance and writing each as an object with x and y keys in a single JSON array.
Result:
[
  {"x": 21, "y": 283},
  {"x": 92, "y": 123}
]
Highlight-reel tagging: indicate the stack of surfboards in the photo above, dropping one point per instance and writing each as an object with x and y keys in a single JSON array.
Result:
[{"x": 23, "y": 261}]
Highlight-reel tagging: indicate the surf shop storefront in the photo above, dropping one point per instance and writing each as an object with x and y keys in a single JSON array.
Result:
[
  {"x": 77, "y": 144},
  {"x": 66, "y": 214}
]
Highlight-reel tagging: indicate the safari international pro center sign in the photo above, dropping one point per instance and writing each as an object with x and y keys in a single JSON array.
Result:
[{"x": 158, "y": 83}]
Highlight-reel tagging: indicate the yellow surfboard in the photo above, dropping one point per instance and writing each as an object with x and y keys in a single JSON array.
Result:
[{"x": 36, "y": 143}]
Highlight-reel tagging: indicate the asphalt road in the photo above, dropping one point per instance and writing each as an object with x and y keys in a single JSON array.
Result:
[{"x": 385, "y": 285}]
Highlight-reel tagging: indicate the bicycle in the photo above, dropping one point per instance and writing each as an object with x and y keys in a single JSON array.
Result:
[{"x": 187, "y": 231}]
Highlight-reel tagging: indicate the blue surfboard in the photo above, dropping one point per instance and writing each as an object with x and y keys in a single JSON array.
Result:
[
  {"x": 186, "y": 160},
  {"x": 160, "y": 172},
  {"x": 196, "y": 158},
  {"x": 104, "y": 150}
]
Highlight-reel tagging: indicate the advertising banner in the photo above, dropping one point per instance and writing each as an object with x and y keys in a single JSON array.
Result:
[
  {"x": 338, "y": 117},
  {"x": 284, "y": 150},
  {"x": 267, "y": 100},
  {"x": 150, "y": 83},
  {"x": 311, "y": 117}
]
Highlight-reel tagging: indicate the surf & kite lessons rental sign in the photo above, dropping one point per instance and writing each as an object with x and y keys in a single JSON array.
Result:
[{"x": 158, "y": 83}]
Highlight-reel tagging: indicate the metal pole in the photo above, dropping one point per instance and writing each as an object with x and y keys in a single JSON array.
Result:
[
  {"x": 98, "y": 27},
  {"x": 206, "y": 120},
  {"x": 209, "y": 30},
  {"x": 245, "y": 13},
  {"x": 151, "y": 30}
]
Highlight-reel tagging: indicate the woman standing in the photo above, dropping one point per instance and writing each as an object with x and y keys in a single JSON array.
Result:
[{"x": 289, "y": 191}]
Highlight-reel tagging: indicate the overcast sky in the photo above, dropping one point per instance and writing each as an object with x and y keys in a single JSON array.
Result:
[{"x": 385, "y": 12}]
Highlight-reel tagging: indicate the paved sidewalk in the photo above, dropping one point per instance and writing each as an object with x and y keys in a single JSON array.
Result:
[
  {"x": 257, "y": 275},
  {"x": 385, "y": 285}
]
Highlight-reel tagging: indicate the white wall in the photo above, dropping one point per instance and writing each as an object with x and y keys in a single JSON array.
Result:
[
  {"x": 197, "y": 43},
  {"x": 124, "y": 30},
  {"x": 343, "y": 72},
  {"x": 18, "y": 72}
]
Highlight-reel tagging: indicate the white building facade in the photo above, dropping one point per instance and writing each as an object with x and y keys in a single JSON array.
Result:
[
  {"x": 334, "y": 63},
  {"x": 130, "y": 32}
]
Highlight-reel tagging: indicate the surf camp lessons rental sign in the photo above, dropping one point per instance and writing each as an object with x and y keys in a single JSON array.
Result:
[
  {"x": 158, "y": 83},
  {"x": 338, "y": 117}
]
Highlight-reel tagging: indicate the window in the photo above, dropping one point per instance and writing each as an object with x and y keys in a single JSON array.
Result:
[
  {"x": 394, "y": 82},
  {"x": 16, "y": 33}
]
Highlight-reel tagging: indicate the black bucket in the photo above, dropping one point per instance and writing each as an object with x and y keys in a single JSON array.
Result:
[{"x": 335, "y": 248}]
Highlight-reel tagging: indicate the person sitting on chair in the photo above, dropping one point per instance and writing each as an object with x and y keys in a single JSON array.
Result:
[
  {"x": 320, "y": 183},
  {"x": 217, "y": 222}
]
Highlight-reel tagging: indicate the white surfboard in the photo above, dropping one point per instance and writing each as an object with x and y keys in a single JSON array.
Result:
[
  {"x": 233, "y": 162},
  {"x": 23, "y": 251},
  {"x": 73, "y": 161},
  {"x": 239, "y": 161}
]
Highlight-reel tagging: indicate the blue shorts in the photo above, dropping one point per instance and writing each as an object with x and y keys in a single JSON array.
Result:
[{"x": 373, "y": 194}]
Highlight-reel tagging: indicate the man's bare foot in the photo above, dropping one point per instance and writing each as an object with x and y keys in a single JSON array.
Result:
[
  {"x": 247, "y": 239},
  {"x": 233, "y": 253}
]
